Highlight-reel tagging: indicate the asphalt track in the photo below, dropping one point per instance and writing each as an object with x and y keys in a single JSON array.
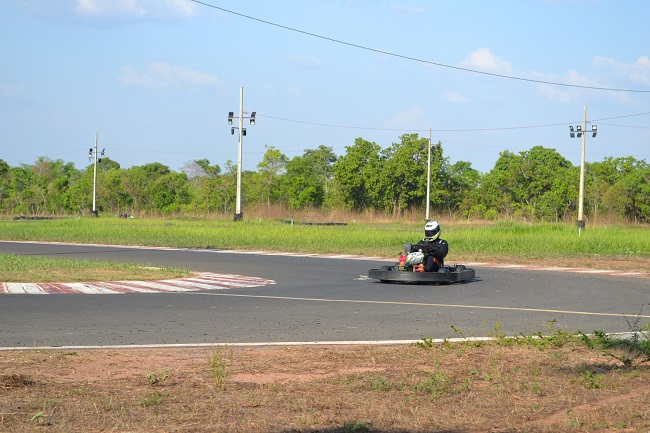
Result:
[{"x": 310, "y": 298}]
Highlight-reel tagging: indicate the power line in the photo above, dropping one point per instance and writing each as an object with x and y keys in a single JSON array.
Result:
[
  {"x": 409, "y": 129},
  {"x": 623, "y": 117},
  {"x": 624, "y": 126},
  {"x": 506, "y": 128},
  {"x": 415, "y": 59}
]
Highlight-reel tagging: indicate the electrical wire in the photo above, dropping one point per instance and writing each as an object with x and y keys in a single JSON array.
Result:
[
  {"x": 506, "y": 128},
  {"x": 415, "y": 59}
]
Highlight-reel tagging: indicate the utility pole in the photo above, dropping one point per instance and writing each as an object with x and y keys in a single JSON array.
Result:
[
  {"x": 93, "y": 154},
  {"x": 428, "y": 176},
  {"x": 581, "y": 195},
  {"x": 242, "y": 131},
  {"x": 581, "y": 131}
]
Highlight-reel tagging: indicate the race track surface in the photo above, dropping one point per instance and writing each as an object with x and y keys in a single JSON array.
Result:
[{"x": 262, "y": 297}]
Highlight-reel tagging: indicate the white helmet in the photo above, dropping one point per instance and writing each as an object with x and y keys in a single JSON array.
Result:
[
  {"x": 414, "y": 258},
  {"x": 432, "y": 230}
]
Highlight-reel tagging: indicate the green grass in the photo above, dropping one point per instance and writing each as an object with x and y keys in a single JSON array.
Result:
[
  {"x": 549, "y": 242},
  {"x": 21, "y": 269}
]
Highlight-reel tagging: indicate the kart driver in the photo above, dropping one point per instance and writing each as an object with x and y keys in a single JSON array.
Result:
[{"x": 434, "y": 249}]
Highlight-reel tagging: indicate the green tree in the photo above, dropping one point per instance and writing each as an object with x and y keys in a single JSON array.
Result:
[
  {"x": 228, "y": 187},
  {"x": 208, "y": 170},
  {"x": 308, "y": 177},
  {"x": 169, "y": 192},
  {"x": 629, "y": 197},
  {"x": 357, "y": 175},
  {"x": 270, "y": 171},
  {"x": 5, "y": 185},
  {"x": 112, "y": 196},
  {"x": 530, "y": 184},
  {"x": 404, "y": 174},
  {"x": 204, "y": 185},
  {"x": 321, "y": 161},
  {"x": 601, "y": 194},
  {"x": 460, "y": 183},
  {"x": 40, "y": 173},
  {"x": 135, "y": 182}
]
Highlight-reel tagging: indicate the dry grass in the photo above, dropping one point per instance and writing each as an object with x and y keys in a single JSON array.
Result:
[
  {"x": 612, "y": 263},
  {"x": 20, "y": 268},
  {"x": 440, "y": 388}
]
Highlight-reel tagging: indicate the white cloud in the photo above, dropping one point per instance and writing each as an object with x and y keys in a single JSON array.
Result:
[
  {"x": 183, "y": 8},
  {"x": 406, "y": 119},
  {"x": 294, "y": 91},
  {"x": 562, "y": 94},
  {"x": 159, "y": 9},
  {"x": 97, "y": 8},
  {"x": 9, "y": 90},
  {"x": 484, "y": 60},
  {"x": 408, "y": 10},
  {"x": 86, "y": 7},
  {"x": 455, "y": 97},
  {"x": 164, "y": 75},
  {"x": 555, "y": 93},
  {"x": 638, "y": 72},
  {"x": 566, "y": 94}
]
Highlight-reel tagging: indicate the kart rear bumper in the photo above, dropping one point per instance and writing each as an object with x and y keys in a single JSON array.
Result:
[{"x": 446, "y": 274}]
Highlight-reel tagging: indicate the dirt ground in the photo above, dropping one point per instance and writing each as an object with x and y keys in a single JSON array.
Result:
[
  {"x": 452, "y": 388},
  {"x": 446, "y": 388}
]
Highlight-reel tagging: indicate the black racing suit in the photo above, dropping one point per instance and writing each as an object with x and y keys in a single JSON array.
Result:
[{"x": 434, "y": 252}]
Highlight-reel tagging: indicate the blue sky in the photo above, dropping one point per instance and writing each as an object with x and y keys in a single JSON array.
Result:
[{"x": 157, "y": 78}]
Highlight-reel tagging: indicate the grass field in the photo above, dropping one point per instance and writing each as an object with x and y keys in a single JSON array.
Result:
[{"x": 555, "y": 243}]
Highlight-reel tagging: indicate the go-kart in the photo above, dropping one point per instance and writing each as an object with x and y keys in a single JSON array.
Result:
[{"x": 404, "y": 273}]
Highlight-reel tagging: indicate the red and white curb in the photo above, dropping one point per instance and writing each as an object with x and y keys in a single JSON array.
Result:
[{"x": 201, "y": 281}]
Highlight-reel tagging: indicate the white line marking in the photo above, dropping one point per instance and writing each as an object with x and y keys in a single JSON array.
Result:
[
  {"x": 621, "y": 335},
  {"x": 424, "y": 304},
  {"x": 594, "y": 271}
]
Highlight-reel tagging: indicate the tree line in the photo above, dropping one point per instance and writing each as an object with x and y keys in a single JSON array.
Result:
[{"x": 537, "y": 185}]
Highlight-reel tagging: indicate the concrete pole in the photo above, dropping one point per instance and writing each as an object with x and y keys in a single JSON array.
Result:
[
  {"x": 581, "y": 223},
  {"x": 238, "y": 213},
  {"x": 428, "y": 176},
  {"x": 94, "y": 212}
]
